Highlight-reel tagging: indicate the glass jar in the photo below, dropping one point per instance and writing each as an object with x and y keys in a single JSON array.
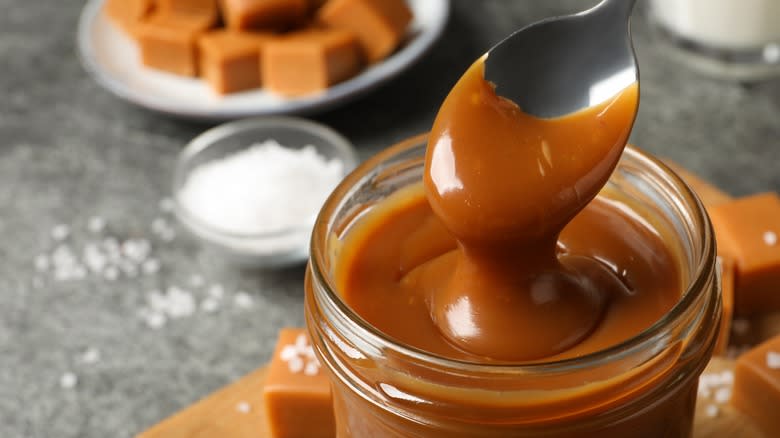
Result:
[
  {"x": 725, "y": 38},
  {"x": 643, "y": 387}
]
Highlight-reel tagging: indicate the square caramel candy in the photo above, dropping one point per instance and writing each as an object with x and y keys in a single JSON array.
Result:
[
  {"x": 206, "y": 10},
  {"x": 127, "y": 14},
  {"x": 168, "y": 42},
  {"x": 230, "y": 61},
  {"x": 380, "y": 25},
  {"x": 309, "y": 61},
  {"x": 747, "y": 231},
  {"x": 264, "y": 14},
  {"x": 757, "y": 386},
  {"x": 297, "y": 394}
]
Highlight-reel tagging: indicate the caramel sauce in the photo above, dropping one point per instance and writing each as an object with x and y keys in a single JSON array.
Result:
[{"x": 502, "y": 254}]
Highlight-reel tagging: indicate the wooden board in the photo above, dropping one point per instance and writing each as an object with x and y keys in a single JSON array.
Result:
[
  {"x": 728, "y": 423},
  {"x": 218, "y": 415}
]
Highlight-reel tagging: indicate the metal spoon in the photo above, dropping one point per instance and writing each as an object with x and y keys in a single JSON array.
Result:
[{"x": 565, "y": 64}]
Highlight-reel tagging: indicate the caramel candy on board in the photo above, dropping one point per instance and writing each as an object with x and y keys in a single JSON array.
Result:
[
  {"x": 747, "y": 231},
  {"x": 167, "y": 42},
  {"x": 230, "y": 61},
  {"x": 757, "y": 386},
  {"x": 127, "y": 14},
  {"x": 309, "y": 61},
  {"x": 263, "y": 14},
  {"x": 379, "y": 25},
  {"x": 297, "y": 392}
]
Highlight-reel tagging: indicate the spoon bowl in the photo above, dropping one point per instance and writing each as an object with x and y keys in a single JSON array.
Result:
[{"x": 562, "y": 65}]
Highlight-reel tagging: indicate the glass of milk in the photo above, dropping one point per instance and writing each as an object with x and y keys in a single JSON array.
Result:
[{"x": 737, "y": 39}]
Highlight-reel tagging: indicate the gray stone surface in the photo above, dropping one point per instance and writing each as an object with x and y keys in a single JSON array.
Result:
[{"x": 70, "y": 150}]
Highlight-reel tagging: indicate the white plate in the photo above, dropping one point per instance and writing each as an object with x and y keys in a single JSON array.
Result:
[{"x": 113, "y": 60}]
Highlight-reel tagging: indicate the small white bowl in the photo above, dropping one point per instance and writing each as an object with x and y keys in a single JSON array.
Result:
[{"x": 257, "y": 250}]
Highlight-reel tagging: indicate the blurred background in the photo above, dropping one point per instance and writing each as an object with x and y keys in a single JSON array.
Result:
[{"x": 71, "y": 151}]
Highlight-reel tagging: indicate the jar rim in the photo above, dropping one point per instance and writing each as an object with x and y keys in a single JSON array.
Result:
[{"x": 700, "y": 275}]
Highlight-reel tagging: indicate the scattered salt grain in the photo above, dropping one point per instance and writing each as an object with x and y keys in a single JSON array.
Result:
[
  {"x": 216, "y": 291},
  {"x": 244, "y": 407},
  {"x": 243, "y": 300},
  {"x": 151, "y": 266},
  {"x": 60, "y": 232},
  {"x": 209, "y": 305},
  {"x": 90, "y": 356},
  {"x": 96, "y": 224},
  {"x": 68, "y": 380},
  {"x": 773, "y": 360},
  {"x": 300, "y": 357},
  {"x": 711, "y": 411},
  {"x": 251, "y": 191},
  {"x": 723, "y": 395},
  {"x": 770, "y": 238},
  {"x": 41, "y": 263}
]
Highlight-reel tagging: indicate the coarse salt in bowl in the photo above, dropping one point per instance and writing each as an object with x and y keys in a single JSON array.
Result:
[{"x": 251, "y": 189}]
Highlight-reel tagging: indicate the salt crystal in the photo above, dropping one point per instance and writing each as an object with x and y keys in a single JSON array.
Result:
[
  {"x": 243, "y": 407},
  {"x": 722, "y": 395},
  {"x": 68, "y": 380},
  {"x": 250, "y": 191},
  {"x": 301, "y": 343},
  {"x": 41, "y": 263},
  {"x": 288, "y": 353},
  {"x": 155, "y": 320},
  {"x": 216, "y": 291},
  {"x": 243, "y": 300},
  {"x": 90, "y": 356},
  {"x": 151, "y": 266},
  {"x": 295, "y": 365},
  {"x": 773, "y": 360},
  {"x": 96, "y": 224},
  {"x": 311, "y": 369},
  {"x": 711, "y": 411},
  {"x": 770, "y": 238},
  {"x": 60, "y": 232},
  {"x": 180, "y": 303},
  {"x": 209, "y": 305}
]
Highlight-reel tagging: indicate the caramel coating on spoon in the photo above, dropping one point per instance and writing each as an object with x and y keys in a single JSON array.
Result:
[{"x": 505, "y": 183}]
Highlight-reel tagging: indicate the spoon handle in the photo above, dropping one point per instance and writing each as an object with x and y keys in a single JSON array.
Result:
[{"x": 619, "y": 8}]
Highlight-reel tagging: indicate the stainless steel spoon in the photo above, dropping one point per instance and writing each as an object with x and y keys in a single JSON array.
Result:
[{"x": 564, "y": 64}]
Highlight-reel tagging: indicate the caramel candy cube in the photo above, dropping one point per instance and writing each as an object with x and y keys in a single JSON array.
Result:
[
  {"x": 727, "y": 292},
  {"x": 263, "y": 14},
  {"x": 379, "y": 25},
  {"x": 297, "y": 394},
  {"x": 309, "y": 61},
  {"x": 200, "y": 13},
  {"x": 168, "y": 43},
  {"x": 747, "y": 231},
  {"x": 230, "y": 61},
  {"x": 757, "y": 386},
  {"x": 127, "y": 14}
]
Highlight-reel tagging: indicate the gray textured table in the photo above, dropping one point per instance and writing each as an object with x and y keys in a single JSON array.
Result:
[{"x": 70, "y": 151}]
